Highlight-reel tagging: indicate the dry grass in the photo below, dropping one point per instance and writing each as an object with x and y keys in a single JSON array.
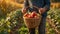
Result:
[
  {"x": 55, "y": 5},
  {"x": 14, "y": 2}
]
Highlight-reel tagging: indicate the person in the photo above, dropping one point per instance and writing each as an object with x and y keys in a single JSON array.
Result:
[{"x": 43, "y": 8}]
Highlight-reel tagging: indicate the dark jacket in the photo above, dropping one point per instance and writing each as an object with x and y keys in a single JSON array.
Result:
[{"x": 40, "y": 4}]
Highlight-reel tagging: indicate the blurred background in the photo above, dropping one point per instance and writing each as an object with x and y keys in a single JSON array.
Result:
[{"x": 11, "y": 21}]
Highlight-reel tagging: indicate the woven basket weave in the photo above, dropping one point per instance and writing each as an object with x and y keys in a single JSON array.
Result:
[{"x": 32, "y": 22}]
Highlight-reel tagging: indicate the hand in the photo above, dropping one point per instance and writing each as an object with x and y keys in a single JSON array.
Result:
[
  {"x": 42, "y": 10},
  {"x": 24, "y": 10}
]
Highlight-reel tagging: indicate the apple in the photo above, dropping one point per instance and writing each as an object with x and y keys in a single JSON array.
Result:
[
  {"x": 26, "y": 15},
  {"x": 36, "y": 16},
  {"x": 33, "y": 14},
  {"x": 30, "y": 16}
]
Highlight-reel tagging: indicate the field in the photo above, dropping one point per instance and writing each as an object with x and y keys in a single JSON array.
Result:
[{"x": 11, "y": 21}]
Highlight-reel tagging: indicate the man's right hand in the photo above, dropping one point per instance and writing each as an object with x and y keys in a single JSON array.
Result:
[{"x": 24, "y": 10}]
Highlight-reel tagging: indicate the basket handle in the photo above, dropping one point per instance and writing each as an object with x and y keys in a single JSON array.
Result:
[{"x": 34, "y": 7}]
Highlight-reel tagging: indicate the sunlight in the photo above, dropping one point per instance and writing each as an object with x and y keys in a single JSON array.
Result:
[{"x": 13, "y": 3}]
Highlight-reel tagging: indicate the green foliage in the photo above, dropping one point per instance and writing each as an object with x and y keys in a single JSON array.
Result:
[
  {"x": 14, "y": 20},
  {"x": 54, "y": 14}
]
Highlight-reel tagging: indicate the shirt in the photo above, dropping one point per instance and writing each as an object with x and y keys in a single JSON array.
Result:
[{"x": 39, "y": 4}]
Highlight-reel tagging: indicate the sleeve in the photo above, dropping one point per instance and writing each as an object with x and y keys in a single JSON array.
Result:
[
  {"x": 26, "y": 3},
  {"x": 47, "y": 4}
]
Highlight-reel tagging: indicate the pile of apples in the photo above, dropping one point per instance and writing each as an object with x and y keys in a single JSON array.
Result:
[{"x": 32, "y": 15}]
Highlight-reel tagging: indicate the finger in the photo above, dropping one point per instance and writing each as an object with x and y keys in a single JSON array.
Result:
[{"x": 39, "y": 11}]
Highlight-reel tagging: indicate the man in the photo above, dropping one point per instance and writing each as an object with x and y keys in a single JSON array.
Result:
[{"x": 43, "y": 7}]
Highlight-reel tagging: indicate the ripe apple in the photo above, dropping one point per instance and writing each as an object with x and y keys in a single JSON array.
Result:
[
  {"x": 26, "y": 15},
  {"x": 33, "y": 14},
  {"x": 30, "y": 16},
  {"x": 36, "y": 16}
]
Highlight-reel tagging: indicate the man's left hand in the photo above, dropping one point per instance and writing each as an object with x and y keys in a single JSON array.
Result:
[{"x": 42, "y": 10}]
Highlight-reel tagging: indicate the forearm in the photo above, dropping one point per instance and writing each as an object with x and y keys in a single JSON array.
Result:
[{"x": 47, "y": 5}]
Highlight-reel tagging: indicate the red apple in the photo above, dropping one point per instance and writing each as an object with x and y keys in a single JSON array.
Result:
[
  {"x": 30, "y": 16},
  {"x": 36, "y": 16},
  {"x": 26, "y": 15},
  {"x": 33, "y": 14}
]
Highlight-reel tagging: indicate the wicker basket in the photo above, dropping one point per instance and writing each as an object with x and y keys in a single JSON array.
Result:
[{"x": 32, "y": 22}]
